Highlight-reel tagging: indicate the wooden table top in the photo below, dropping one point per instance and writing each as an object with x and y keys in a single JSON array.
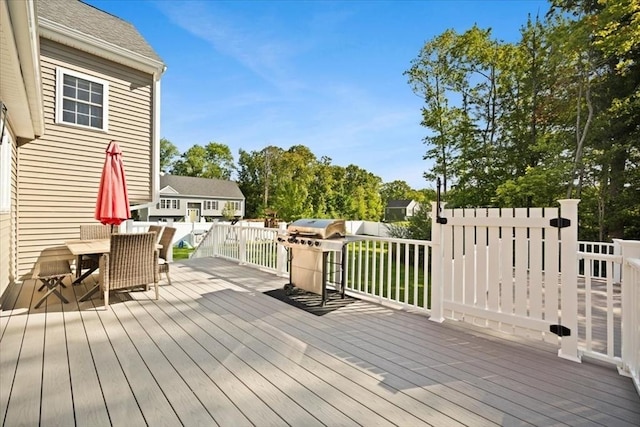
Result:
[
  {"x": 88, "y": 247},
  {"x": 91, "y": 247}
]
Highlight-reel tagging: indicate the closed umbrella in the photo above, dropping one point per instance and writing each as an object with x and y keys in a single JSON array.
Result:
[{"x": 112, "y": 206}]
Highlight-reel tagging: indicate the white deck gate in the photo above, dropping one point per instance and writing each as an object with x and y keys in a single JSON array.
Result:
[{"x": 514, "y": 270}]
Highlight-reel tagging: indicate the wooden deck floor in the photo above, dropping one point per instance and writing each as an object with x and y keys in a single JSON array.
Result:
[{"x": 214, "y": 350}]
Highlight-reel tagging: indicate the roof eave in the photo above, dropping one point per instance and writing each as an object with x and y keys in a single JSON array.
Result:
[
  {"x": 68, "y": 36},
  {"x": 25, "y": 100}
]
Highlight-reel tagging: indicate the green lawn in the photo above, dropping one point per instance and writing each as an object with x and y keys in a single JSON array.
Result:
[
  {"x": 181, "y": 253},
  {"x": 385, "y": 287}
]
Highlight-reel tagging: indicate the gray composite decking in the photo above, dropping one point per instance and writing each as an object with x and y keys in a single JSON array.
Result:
[{"x": 214, "y": 350}]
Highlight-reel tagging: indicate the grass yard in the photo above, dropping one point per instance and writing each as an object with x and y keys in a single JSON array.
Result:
[
  {"x": 181, "y": 253},
  {"x": 394, "y": 273}
]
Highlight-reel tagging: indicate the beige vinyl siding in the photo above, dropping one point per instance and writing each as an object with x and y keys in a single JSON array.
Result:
[
  {"x": 60, "y": 172},
  {"x": 8, "y": 231}
]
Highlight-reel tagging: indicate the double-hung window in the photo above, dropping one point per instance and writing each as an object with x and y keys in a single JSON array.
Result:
[
  {"x": 169, "y": 204},
  {"x": 211, "y": 205},
  {"x": 81, "y": 100}
]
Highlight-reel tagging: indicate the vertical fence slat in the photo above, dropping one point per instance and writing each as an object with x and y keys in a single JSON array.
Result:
[
  {"x": 469, "y": 280},
  {"x": 551, "y": 275},
  {"x": 506, "y": 262},
  {"x": 521, "y": 257},
  {"x": 494, "y": 265},
  {"x": 480, "y": 267},
  {"x": 535, "y": 267}
]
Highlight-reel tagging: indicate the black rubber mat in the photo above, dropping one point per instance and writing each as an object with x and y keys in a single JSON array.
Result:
[{"x": 310, "y": 302}]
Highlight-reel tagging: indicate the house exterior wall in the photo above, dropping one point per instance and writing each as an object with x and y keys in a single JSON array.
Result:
[{"x": 60, "y": 172}]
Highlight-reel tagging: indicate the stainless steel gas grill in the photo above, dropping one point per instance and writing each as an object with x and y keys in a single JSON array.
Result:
[{"x": 309, "y": 243}]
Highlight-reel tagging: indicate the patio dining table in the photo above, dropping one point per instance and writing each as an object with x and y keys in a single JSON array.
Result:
[{"x": 94, "y": 248}]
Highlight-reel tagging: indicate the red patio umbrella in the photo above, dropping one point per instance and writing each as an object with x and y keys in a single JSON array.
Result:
[{"x": 112, "y": 206}]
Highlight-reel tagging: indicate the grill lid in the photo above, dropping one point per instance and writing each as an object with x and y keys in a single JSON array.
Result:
[{"x": 319, "y": 228}]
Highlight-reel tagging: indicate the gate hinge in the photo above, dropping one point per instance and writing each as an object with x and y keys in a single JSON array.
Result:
[
  {"x": 441, "y": 220},
  {"x": 559, "y": 330},
  {"x": 560, "y": 222}
]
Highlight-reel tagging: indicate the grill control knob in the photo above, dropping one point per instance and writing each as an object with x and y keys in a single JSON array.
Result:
[
  {"x": 309, "y": 242},
  {"x": 317, "y": 243}
]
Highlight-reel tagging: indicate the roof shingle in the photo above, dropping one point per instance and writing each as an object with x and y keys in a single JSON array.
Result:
[
  {"x": 94, "y": 22},
  {"x": 201, "y": 187}
]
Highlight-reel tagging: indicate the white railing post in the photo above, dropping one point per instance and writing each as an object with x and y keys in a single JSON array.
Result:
[
  {"x": 569, "y": 279},
  {"x": 437, "y": 309},
  {"x": 242, "y": 245},
  {"x": 617, "y": 269},
  {"x": 630, "y": 311},
  {"x": 214, "y": 235}
]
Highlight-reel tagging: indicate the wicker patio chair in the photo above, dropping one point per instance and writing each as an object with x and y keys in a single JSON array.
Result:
[
  {"x": 94, "y": 231},
  {"x": 132, "y": 262},
  {"x": 165, "y": 241},
  {"x": 91, "y": 232},
  {"x": 158, "y": 229}
]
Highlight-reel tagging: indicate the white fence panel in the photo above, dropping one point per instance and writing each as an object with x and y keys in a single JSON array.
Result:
[{"x": 500, "y": 269}]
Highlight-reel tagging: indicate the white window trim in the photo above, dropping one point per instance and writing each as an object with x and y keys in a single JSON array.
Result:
[
  {"x": 5, "y": 172},
  {"x": 60, "y": 72}
]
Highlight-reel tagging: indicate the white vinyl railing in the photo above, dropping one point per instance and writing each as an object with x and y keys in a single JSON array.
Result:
[
  {"x": 631, "y": 335},
  {"x": 245, "y": 244},
  {"x": 598, "y": 266},
  {"x": 599, "y": 302},
  {"x": 631, "y": 312},
  {"x": 391, "y": 271}
]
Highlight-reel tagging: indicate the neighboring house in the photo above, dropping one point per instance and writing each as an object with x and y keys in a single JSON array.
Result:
[
  {"x": 72, "y": 79},
  {"x": 400, "y": 210},
  {"x": 191, "y": 199}
]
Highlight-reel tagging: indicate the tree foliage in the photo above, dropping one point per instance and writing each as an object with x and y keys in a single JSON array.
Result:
[
  {"x": 211, "y": 161},
  {"x": 296, "y": 184},
  {"x": 554, "y": 115},
  {"x": 168, "y": 153}
]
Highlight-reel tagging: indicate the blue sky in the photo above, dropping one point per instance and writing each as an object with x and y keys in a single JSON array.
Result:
[{"x": 324, "y": 74}]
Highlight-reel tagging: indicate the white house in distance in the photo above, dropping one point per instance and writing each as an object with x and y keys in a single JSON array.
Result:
[
  {"x": 400, "y": 210},
  {"x": 192, "y": 199}
]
